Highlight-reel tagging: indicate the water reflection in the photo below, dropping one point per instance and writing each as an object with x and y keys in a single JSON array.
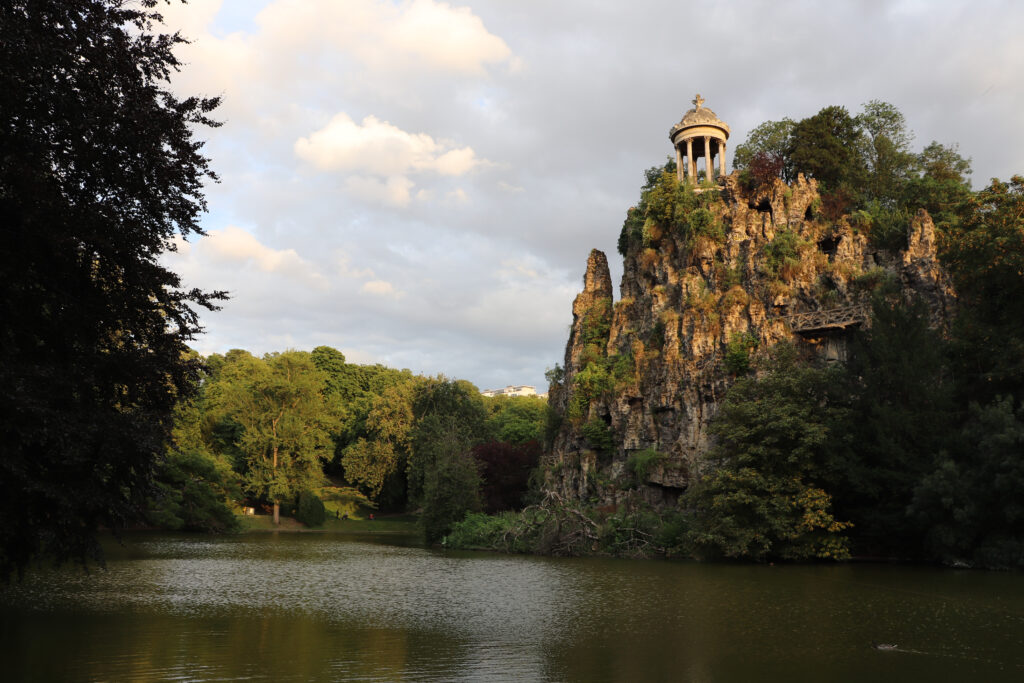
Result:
[{"x": 305, "y": 607}]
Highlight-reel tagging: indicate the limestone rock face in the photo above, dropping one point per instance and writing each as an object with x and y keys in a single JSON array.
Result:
[{"x": 685, "y": 303}]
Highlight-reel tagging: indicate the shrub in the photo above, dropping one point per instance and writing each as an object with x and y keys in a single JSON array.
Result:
[
  {"x": 701, "y": 223},
  {"x": 876, "y": 279},
  {"x": 737, "y": 352},
  {"x": 478, "y": 530},
  {"x": 310, "y": 509},
  {"x": 888, "y": 226},
  {"x": 597, "y": 322},
  {"x": 642, "y": 462},
  {"x": 598, "y": 435},
  {"x": 630, "y": 533},
  {"x": 729, "y": 277},
  {"x": 736, "y": 296},
  {"x": 782, "y": 254}
]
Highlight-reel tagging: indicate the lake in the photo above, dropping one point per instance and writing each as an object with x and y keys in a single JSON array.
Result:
[{"x": 310, "y": 607}]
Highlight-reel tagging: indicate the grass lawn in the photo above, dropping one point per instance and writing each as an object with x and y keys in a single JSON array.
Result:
[{"x": 390, "y": 524}]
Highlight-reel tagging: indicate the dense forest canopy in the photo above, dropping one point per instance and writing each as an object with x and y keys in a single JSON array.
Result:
[{"x": 271, "y": 431}]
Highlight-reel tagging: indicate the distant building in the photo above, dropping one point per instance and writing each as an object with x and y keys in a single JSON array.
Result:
[{"x": 513, "y": 390}]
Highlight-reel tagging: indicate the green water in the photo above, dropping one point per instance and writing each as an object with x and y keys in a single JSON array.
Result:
[{"x": 305, "y": 607}]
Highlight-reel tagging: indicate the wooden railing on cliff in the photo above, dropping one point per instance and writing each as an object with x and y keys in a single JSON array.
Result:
[{"x": 830, "y": 319}]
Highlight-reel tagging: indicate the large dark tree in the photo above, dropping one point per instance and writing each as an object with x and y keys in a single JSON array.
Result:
[
  {"x": 99, "y": 170},
  {"x": 825, "y": 146}
]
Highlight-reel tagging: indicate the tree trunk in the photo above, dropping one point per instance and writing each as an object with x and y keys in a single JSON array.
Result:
[{"x": 277, "y": 512}]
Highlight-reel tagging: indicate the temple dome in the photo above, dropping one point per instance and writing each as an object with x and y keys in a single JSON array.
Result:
[{"x": 699, "y": 116}]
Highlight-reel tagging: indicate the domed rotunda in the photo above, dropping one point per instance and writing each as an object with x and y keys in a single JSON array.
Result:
[{"x": 702, "y": 125}]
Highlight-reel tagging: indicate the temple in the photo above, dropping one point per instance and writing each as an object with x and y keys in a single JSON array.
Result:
[{"x": 700, "y": 133}]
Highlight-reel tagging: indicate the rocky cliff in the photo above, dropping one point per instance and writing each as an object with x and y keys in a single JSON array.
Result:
[{"x": 712, "y": 277}]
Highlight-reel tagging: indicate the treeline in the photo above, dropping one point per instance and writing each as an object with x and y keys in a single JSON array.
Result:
[
  {"x": 913, "y": 449},
  {"x": 864, "y": 165},
  {"x": 294, "y": 430}
]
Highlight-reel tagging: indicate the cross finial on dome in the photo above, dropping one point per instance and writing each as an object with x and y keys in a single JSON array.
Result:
[{"x": 698, "y": 101}]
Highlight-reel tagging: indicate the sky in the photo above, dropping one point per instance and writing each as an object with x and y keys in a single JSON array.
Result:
[{"x": 419, "y": 183}]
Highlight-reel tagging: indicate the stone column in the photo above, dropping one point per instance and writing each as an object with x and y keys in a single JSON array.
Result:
[
  {"x": 679, "y": 164},
  {"x": 691, "y": 165},
  {"x": 709, "y": 164},
  {"x": 721, "y": 157}
]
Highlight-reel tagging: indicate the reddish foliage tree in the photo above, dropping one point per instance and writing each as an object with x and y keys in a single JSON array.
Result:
[
  {"x": 836, "y": 203},
  {"x": 765, "y": 167},
  {"x": 505, "y": 469}
]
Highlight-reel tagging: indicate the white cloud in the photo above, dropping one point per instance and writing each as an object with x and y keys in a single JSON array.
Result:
[
  {"x": 235, "y": 245},
  {"x": 393, "y": 191},
  {"x": 457, "y": 196},
  {"x": 456, "y": 161},
  {"x": 344, "y": 268},
  {"x": 380, "y": 288},
  {"x": 487, "y": 255},
  {"x": 421, "y": 34},
  {"x": 379, "y": 148}
]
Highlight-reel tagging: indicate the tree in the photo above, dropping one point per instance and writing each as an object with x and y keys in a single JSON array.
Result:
[
  {"x": 506, "y": 469},
  {"x": 762, "y": 497},
  {"x": 825, "y": 146},
  {"x": 770, "y": 140},
  {"x": 985, "y": 255},
  {"x": 99, "y": 170},
  {"x": 941, "y": 185},
  {"x": 286, "y": 422},
  {"x": 194, "y": 486},
  {"x": 371, "y": 461},
  {"x": 901, "y": 417},
  {"x": 450, "y": 419},
  {"x": 517, "y": 419},
  {"x": 451, "y": 489},
  {"x": 971, "y": 503},
  {"x": 885, "y": 152}
]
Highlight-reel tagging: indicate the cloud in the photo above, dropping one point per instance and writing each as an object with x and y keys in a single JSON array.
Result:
[
  {"x": 233, "y": 245},
  {"x": 382, "y": 35},
  {"x": 380, "y": 288},
  {"x": 377, "y": 147},
  {"x": 393, "y": 190},
  {"x": 468, "y": 155}
]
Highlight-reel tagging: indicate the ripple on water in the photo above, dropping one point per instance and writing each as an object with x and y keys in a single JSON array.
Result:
[{"x": 365, "y": 584}]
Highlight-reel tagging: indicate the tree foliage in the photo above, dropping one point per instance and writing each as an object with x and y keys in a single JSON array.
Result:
[
  {"x": 970, "y": 502},
  {"x": 505, "y": 470},
  {"x": 769, "y": 140},
  {"x": 985, "y": 255},
  {"x": 517, "y": 419},
  {"x": 762, "y": 498},
  {"x": 901, "y": 416},
  {"x": 825, "y": 147},
  {"x": 99, "y": 171},
  {"x": 286, "y": 423},
  {"x": 310, "y": 510}
]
